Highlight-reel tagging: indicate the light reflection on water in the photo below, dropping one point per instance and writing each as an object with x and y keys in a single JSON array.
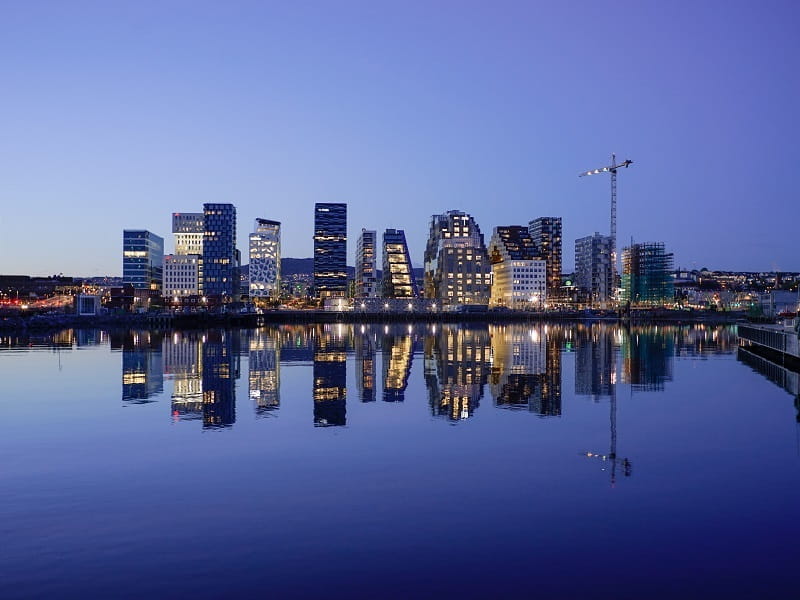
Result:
[{"x": 574, "y": 449}]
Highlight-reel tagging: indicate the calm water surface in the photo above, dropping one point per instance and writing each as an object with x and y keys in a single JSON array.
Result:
[{"x": 368, "y": 461}]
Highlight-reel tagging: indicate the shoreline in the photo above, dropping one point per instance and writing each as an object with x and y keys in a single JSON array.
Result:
[{"x": 206, "y": 320}]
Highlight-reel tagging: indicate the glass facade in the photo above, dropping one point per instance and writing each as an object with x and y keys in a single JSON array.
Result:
[
  {"x": 593, "y": 272},
  {"x": 188, "y": 229},
  {"x": 182, "y": 275},
  {"x": 366, "y": 271},
  {"x": 330, "y": 249},
  {"x": 546, "y": 235},
  {"x": 265, "y": 259},
  {"x": 398, "y": 275},
  {"x": 220, "y": 272},
  {"x": 142, "y": 259},
  {"x": 457, "y": 267}
]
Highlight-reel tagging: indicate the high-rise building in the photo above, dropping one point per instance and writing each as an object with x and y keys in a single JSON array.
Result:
[
  {"x": 188, "y": 229},
  {"x": 518, "y": 274},
  {"x": 647, "y": 274},
  {"x": 398, "y": 276},
  {"x": 593, "y": 268},
  {"x": 546, "y": 235},
  {"x": 457, "y": 267},
  {"x": 330, "y": 249},
  {"x": 220, "y": 273},
  {"x": 366, "y": 271},
  {"x": 142, "y": 259},
  {"x": 181, "y": 275},
  {"x": 265, "y": 259}
]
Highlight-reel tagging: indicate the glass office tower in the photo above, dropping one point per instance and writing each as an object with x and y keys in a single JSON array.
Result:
[
  {"x": 220, "y": 272},
  {"x": 330, "y": 250},
  {"x": 142, "y": 259}
]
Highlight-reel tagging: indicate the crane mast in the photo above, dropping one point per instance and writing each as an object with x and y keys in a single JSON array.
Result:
[{"x": 612, "y": 169}]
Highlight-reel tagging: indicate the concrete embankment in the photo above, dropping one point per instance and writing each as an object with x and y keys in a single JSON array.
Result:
[{"x": 203, "y": 320}]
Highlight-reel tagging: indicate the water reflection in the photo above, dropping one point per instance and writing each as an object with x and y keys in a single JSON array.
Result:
[
  {"x": 456, "y": 369},
  {"x": 526, "y": 368},
  {"x": 520, "y": 364},
  {"x": 779, "y": 374},
  {"x": 330, "y": 376}
]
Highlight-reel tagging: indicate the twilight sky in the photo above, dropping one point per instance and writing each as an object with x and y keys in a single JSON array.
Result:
[{"x": 116, "y": 114}]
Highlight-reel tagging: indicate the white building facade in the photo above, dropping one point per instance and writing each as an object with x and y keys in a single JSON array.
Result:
[
  {"x": 519, "y": 277},
  {"x": 182, "y": 275}
]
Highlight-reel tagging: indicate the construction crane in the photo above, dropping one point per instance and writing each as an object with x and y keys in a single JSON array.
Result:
[{"x": 612, "y": 168}]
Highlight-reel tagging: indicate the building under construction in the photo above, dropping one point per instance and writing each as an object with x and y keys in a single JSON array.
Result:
[{"x": 646, "y": 274}]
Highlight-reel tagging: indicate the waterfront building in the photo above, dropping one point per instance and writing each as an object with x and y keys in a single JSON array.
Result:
[
  {"x": 264, "y": 270},
  {"x": 330, "y": 249},
  {"x": 142, "y": 260},
  {"x": 546, "y": 235},
  {"x": 647, "y": 274},
  {"x": 518, "y": 274},
  {"x": 398, "y": 277},
  {"x": 188, "y": 229},
  {"x": 220, "y": 275},
  {"x": 594, "y": 273},
  {"x": 182, "y": 275},
  {"x": 366, "y": 270},
  {"x": 457, "y": 269}
]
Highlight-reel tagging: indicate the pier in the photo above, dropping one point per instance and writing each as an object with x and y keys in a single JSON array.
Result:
[{"x": 780, "y": 342}]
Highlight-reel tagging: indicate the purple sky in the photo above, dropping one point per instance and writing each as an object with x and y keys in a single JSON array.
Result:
[{"x": 116, "y": 114}]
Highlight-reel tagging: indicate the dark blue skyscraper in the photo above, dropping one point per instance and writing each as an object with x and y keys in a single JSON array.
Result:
[
  {"x": 220, "y": 268},
  {"x": 142, "y": 259},
  {"x": 330, "y": 250}
]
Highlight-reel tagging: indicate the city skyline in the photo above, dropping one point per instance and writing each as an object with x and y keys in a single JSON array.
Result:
[{"x": 118, "y": 116}]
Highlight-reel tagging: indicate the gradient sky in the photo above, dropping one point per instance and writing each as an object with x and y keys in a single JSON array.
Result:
[{"x": 116, "y": 114}]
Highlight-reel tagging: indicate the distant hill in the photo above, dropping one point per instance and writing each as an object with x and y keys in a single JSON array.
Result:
[{"x": 303, "y": 266}]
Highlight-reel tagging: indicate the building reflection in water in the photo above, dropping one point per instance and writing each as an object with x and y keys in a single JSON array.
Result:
[
  {"x": 456, "y": 368},
  {"x": 398, "y": 354},
  {"x": 183, "y": 364},
  {"x": 364, "y": 341},
  {"x": 142, "y": 365},
  {"x": 220, "y": 369},
  {"x": 596, "y": 353},
  {"x": 264, "y": 376},
  {"x": 330, "y": 375},
  {"x": 526, "y": 368},
  {"x": 647, "y": 353}
]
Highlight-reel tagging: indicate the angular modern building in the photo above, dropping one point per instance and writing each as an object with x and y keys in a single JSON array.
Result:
[
  {"x": 265, "y": 259},
  {"x": 188, "y": 229},
  {"x": 330, "y": 250},
  {"x": 366, "y": 270},
  {"x": 546, "y": 235},
  {"x": 220, "y": 272},
  {"x": 518, "y": 274},
  {"x": 593, "y": 268},
  {"x": 398, "y": 276},
  {"x": 647, "y": 274},
  {"x": 457, "y": 269},
  {"x": 142, "y": 259}
]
